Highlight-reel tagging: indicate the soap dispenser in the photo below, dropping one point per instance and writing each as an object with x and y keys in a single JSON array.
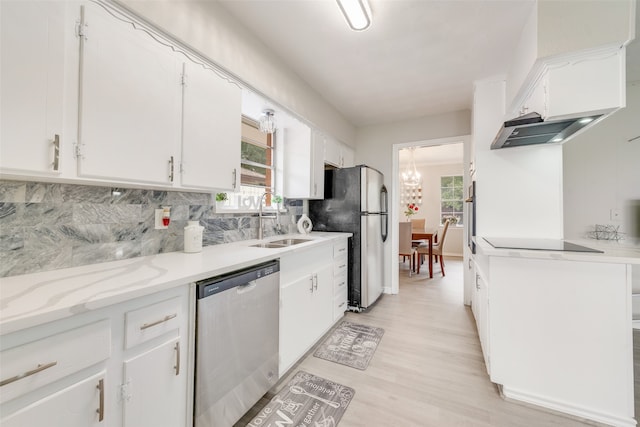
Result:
[{"x": 193, "y": 237}]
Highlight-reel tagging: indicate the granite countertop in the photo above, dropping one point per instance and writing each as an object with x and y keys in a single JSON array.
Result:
[
  {"x": 612, "y": 252},
  {"x": 33, "y": 299}
]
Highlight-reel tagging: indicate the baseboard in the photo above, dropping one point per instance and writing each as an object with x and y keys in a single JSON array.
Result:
[{"x": 583, "y": 414}]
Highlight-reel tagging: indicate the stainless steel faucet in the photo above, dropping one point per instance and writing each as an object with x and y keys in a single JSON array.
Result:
[{"x": 260, "y": 216}]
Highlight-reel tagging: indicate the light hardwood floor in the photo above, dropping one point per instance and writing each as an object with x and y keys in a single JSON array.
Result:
[{"x": 428, "y": 369}]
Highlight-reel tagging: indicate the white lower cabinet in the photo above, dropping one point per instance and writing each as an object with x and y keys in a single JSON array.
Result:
[
  {"x": 123, "y": 365},
  {"x": 306, "y": 301},
  {"x": 480, "y": 308},
  {"x": 79, "y": 405},
  {"x": 153, "y": 387}
]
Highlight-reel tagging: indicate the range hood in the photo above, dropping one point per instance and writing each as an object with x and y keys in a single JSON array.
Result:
[{"x": 531, "y": 129}]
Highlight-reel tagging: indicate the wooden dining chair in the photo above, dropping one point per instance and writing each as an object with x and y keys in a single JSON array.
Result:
[
  {"x": 418, "y": 224},
  {"x": 423, "y": 250},
  {"x": 405, "y": 249}
]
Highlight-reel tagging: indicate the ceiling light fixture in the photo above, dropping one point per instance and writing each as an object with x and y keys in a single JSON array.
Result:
[
  {"x": 267, "y": 121},
  {"x": 411, "y": 176},
  {"x": 357, "y": 13}
]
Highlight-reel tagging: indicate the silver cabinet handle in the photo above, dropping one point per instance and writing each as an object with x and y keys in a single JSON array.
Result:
[
  {"x": 233, "y": 179},
  {"x": 177, "y": 367},
  {"x": 56, "y": 152},
  {"x": 311, "y": 278},
  {"x": 342, "y": 266},
  {"x": 40, "y": 368},
  {"x": 477, "y": 281},
  {"x": 315, "y": 282},
  {"x": 157, "y": 322},
  {"x": 171, "y": 163},
  {"x": 100, "y": 409},
  {"x": 341, "y": 304}
]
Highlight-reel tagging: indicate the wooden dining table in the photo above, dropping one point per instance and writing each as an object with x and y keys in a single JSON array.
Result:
[{"x": 430, "y": 234}]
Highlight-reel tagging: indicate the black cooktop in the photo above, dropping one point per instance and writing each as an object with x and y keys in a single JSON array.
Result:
[{"x": 537, "y": 244}]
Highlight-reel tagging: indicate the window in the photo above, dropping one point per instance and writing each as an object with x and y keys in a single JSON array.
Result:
[
  {"x": 257, "y": 169},
  {"x": 451, "y": 199}
]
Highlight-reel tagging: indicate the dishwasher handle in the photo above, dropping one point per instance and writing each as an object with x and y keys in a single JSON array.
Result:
[{"x": 243, "y": 289}]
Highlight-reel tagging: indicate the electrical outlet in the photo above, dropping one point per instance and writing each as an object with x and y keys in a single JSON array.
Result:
[
  {"x": 159, "y": 224},
  {"x": 614, "y": 214}
]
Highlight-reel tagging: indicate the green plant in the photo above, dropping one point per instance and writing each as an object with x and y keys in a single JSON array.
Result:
[
  {"x": 221, "y": 197},
  {"x": 277, "y": 199}
]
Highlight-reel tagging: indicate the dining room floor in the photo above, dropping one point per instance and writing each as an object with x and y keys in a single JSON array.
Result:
[{"x": 428, "y": 369}]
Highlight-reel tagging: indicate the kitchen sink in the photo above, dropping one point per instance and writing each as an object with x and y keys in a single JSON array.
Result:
[
  {"x": 283, "y": 243},
  {"x": 290, "y": 242}
]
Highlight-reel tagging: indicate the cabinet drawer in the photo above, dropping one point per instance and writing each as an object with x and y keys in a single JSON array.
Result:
[
  {"x": 339, "y": 305},
  {"x": 340, "y": 248},
  {"x": 35, "y": 364},
  {"x": 151, "y": 321},
  {"x": 340, "y": 266},
  {"x": 340, "y": 284}
]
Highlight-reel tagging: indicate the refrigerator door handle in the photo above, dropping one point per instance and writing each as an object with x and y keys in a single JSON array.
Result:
[{"x": 384, "y": 202}]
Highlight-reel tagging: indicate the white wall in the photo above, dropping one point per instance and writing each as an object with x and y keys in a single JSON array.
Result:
[
  {"x": 208, "y": 28},
  {"x": 375, "y": 148},
  {"x": 602, "y": 172}
]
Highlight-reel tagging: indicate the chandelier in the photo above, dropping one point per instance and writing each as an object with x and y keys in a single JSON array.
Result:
[
  {"x": 411, "y": 176},
  {"x": 267, "y": 121}
]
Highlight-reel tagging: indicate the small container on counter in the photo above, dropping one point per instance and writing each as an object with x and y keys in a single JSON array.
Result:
[{"x": 193, "y": 237}]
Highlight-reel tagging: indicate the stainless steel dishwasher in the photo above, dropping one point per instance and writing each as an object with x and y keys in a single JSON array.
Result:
[{"x": 237, "y": 320}]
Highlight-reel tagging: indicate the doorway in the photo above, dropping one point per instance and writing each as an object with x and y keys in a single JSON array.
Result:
[{"x": 434, "y": 159}]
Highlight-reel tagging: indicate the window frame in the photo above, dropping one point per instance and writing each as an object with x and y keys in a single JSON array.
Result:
[
  {"x": 246, "y": 191},
  {"x": 458, "y": 214}
]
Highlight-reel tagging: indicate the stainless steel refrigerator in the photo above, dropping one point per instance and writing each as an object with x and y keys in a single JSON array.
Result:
[{"x": 356, "y": 201}]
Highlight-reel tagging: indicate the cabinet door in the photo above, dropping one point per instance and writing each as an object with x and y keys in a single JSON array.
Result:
[
  {"x": 317, "y": 166},
  {"x": 78, "y": 405},
  {"x": 322, "y": 304},
  {"x": 332, "y": 154},
  {"x": 32, "y": 82},
  {"x": 297, "y": 147},
  {"x": 296, "y": 320},
  {"x": 348, "y": 157},
  {"x": 211, "y": 130},
  {"x": 130, "y": 103},
  {"x": 155, "y": 388}
]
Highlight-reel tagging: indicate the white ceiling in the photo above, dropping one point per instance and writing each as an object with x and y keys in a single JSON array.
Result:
[{"x": 419, "y": 57}]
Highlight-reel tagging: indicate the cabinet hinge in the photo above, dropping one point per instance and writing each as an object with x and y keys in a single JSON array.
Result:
[{"x": 125, "y": 392}]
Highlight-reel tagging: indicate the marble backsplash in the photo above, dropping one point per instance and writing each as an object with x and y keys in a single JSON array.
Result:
[{"x": 49, "y": 226}]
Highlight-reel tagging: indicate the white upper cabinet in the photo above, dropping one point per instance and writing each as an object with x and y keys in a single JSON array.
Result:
[
  {"x": 348, "y": 157},
  {"x": 332, "y": 152},
  {"x": 211, "y": 130},
  {"x": 303, "y": 160},
  {"x": 33, "y": 47},
  {"x": 130, "y": 104},
  {"x": 577, "y": 85},
  {"x": 336, "y": 154}
]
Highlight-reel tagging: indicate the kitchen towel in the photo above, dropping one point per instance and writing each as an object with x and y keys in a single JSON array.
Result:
[
  {"x": 351, "y": 344},
  {"x": 307, "y": 400}
]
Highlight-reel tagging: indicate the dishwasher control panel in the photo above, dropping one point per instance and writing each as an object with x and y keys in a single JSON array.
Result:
[{"x": 214, "y": 285}]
